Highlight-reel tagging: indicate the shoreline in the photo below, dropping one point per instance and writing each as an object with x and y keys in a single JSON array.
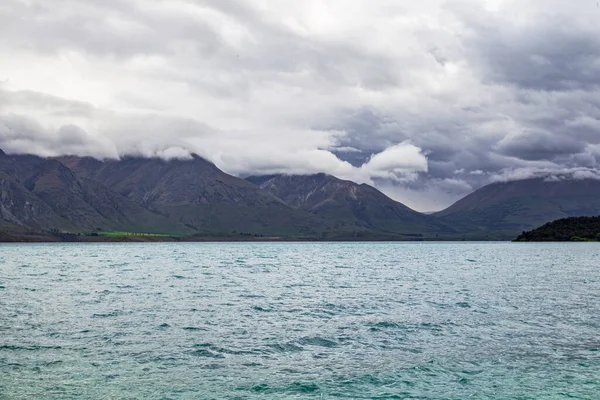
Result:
[{"x": 228, "y": 239}]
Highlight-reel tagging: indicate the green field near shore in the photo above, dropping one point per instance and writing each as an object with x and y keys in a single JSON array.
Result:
[{"x": 123, "y": 234}]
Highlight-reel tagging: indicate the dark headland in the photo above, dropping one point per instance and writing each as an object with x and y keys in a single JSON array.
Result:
[{"x": 574, "y": 229}]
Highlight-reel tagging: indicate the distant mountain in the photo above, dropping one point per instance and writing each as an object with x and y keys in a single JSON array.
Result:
[
  {"x": 516, "y": 206},
  {"x": 573, "y": 229},
  {"x": 193, "y": 197},
  {"x": 198, "y": 194},
  {"x": 44, "y": 194},
  {"x": 349, "y": 204}
]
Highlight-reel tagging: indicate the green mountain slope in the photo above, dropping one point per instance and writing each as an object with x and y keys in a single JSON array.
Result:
[{"x": 516, "y": 206}]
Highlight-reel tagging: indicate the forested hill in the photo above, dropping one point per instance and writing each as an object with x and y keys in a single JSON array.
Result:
[{"x": 565, "y": 230}]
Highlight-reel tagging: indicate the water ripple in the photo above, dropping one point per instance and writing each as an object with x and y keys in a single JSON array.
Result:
[{"x": 300, "y": 320}]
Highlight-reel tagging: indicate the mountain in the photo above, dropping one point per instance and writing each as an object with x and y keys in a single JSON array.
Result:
[
  {"x": 349, "y": 204},
  {"x": 198, "y": 194},
  {"x": 44, "y": 194},
  {"x": 573, "y": 229},
  {"x": 194, "y": 197},
  {"x": 516, "y": 206},
  {"x": 20, "y": 207}
]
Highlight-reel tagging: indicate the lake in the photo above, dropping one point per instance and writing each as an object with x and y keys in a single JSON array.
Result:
[{"x": 300, "y": 321}]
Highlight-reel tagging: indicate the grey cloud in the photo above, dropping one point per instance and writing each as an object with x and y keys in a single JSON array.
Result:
[
  {"x": 552, "y": 51},
  {"x": 22, "y": 134},
  {"x": 551, "y": 174},
  {"x": 533, "y": 145},
  {"x": 72, "y": 135},
  {"x": 483, "y": 94},
  {"x": 190, "y": 39},
  {"x": 42, "y": 101}
]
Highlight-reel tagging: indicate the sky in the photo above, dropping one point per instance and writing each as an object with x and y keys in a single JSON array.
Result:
[{"x": 426, "y": 100}]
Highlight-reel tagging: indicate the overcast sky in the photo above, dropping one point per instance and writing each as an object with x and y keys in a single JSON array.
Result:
[{"x": 427, "y": 100}]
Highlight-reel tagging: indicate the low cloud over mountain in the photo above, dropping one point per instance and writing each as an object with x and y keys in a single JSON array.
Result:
[{"x": 427, "y": 101}]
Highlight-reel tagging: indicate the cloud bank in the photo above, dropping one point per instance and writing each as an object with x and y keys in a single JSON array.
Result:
[{"x": 427, "y": 100}]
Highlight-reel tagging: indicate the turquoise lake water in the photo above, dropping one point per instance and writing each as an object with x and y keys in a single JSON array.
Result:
[{"x": 300, "y": 321}]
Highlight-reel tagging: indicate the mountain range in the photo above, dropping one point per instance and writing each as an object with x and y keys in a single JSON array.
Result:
[{"x": 192, "y": 198}]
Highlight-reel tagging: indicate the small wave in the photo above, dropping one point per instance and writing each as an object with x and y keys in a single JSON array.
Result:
[
  {"x": 51, "y": 363},
  {"x": 263, "y": 309},
  {"x": 222, "y": 350},
  {"x": 318, "y": 341},
  {"x": 194, "y": 328},
  {"x": 293, "y": 285},
  {"x": 212, "y": 366},
  {"x": 262, "y": 388},
  {"x": 107, "y": 315},
  {"x": 432, "y": 327},
  {"x": 29, "y": 348},
  {"x": 285, "y": 347},
  {"x": 251, "y": 364},
  {"x": 206, "y": 353},
  {"x": 301, "y": 387},
  {"x": 124, "y": 264},
  {"x": 384, "y": 325}
]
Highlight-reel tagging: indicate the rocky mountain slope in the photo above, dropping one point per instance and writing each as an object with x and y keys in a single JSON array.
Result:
[
  {"x": 198, "y": 194},
  {"x": 350, "y": 204},
  {"x": 44, "y": 194}
]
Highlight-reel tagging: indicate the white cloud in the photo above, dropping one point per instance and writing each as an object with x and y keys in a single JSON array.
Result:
[
  {"x": 432, "y": 91},
  {"x": 548, "y": 173}
]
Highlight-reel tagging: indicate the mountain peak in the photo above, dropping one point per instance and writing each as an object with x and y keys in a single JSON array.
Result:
[
  {"x": 518, "y": 205},
  {"x": 347, "y": 203}
]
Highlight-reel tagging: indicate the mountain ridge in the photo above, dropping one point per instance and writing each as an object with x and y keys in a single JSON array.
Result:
[
  {"x": 198, "y": 194},
  {"x": 69, "y": 202},
  {"x": 350, "y": 202},
  {"x": 193, "y": 197},
  {"x": 520, "y": 205}
]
